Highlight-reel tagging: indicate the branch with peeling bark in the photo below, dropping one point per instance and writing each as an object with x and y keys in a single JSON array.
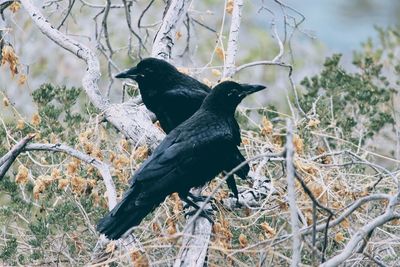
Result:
[
  {"x": 7, "y": 160},
  {"x": 364, "y": 231},
  {"x": 197, "y": 230},
  {"x": 102, "y": 167},
  {"x": 233, "y": 42},
  {"x": 294, "y": 221},
  {"x": 130, "y": 120},
  {"x": 163, "y": 42},
  {"x": 23, "y": 146}
]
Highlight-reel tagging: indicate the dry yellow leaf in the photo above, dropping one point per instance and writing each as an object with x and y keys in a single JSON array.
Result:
[
  {"x": 217, "y": 228},
  {"x": 111, "y": 247},
  {"x": 38, "y": 136},
  {"x": 171, "y": 230},
  {"x": 78, "y": 184},
  {"x": 95, "y": 196},
  {"x": 245, "y": 141},
  {"x": 339, "y": 237},
  {"x": 63, "y": 183},
  {"x": 141, "y": 153},
  {"x": 266, "y": 125},
  {"x": 36, "y": 119},
  {"x": 15, "y": 6},
  {"x": 313, "y": 122},
  {"x": 72, "y": 167},
  {"x": 98, "y": 153},
  {"x": 22, "y": 175},
  {"x": 345, "y": 224},
  {"x": 243, "y": 241},
  {"x": 88, "y": 147},
  {"x": 269, "y": 231},
  {"x": 91, "y": 183},
  {"x": 229, "y": 7},
  {"x": 8, "y": 55},
  {"x": 139, "y": 260},
  {"x": 6, "y": 102},
  {"x": 113, "y": 156},
  {"x": 220, "y": 53},
  {"x": 298, "y": 144},
  {"x": 39, "y": 187},
  {"x": 124, "y": 144},
  {"x": 277, "y": 140},
  {"x": 121, "y": 162},
  {"x": 22, "y": 79},
  {"x": 156, "y": 227},
  {"x": 395, "y": 222},
  {"x": 20, "y": 124}
]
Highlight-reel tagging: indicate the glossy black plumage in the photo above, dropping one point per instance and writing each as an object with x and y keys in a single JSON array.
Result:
[
  {"x": 191, "y": 154},
  {"x": 173, "y": 97}
]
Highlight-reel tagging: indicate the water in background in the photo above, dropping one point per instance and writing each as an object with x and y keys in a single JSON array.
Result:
[{"x": 343, "y": 24}]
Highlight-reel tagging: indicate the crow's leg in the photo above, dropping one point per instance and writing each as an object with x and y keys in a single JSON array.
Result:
[
  {"x": 232, "y": 186},
  {"x": 204, "y": 213},
  {"x": 197, "y": 198}
]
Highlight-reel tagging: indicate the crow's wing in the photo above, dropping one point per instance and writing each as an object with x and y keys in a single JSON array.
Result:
[
  {"x": 186, "y": 95},
  {"x": 236, "y": 160},
  {"x": 182, "y": 149},
  {"x": 177, "y": 104}
]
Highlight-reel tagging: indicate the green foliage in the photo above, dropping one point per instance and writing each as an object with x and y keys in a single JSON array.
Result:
[
  {"x": 55, "y": 104},
  {"x": 357, "y": 103},
  {"x": 55, "y": 215},
  {"x": 9, "y": 249},
  {"x": 347, "y": 104}
]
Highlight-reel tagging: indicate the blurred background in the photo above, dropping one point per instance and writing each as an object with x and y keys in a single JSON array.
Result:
[{"x": 329, "y": 27}]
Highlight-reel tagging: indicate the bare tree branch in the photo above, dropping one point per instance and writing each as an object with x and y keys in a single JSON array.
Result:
[
  {"x": 294, "y": 222},
  {"x": 7, "y": 160},
  {"x": 131, "y": 120},
  {"x": 103, "y": 168},
  {"x": 233, "y": 42},
  {"x": 362, "y": 233},
  {"x": 22, "y": 146},
  {"x": 164, "y": 40}
]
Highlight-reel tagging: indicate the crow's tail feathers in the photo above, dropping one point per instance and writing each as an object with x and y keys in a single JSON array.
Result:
[{"x": 123, "y": 217}]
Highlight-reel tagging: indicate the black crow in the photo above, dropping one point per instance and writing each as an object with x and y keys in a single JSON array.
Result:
[
  {"x": 190, "y": 155},
  {"x": 173, "y": 97}
]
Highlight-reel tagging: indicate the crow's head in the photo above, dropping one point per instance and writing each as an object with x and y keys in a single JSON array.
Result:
[
  {"x": 226, "y": 96},
  {"x": 149, "y": 70}
]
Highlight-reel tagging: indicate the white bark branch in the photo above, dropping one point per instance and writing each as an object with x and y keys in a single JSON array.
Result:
[
  {"x": 132, "y": 121},
  {"x": 195, "y": 243},
  {"x": 294, "y": 222},
  {"x": 164, "y": 40},
  {"x": 233, "y": 42},
  {"x": 358, "y": 203},
  {"x": 103, "y": 168},
  {"x": 22, "y": 145},
  {"x": 197, "y": 230},
  {"x": 351, "y": 246},
  {"x": 7, "y": 159}
]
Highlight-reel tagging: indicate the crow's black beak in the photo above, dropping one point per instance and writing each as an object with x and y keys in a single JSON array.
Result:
[
  {"x": 249, "y": 89},
  {"x": 132, "y": 73}
]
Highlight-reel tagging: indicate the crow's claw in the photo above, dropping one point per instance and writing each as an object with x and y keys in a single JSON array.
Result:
[{"x": 204, "y": 213}]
